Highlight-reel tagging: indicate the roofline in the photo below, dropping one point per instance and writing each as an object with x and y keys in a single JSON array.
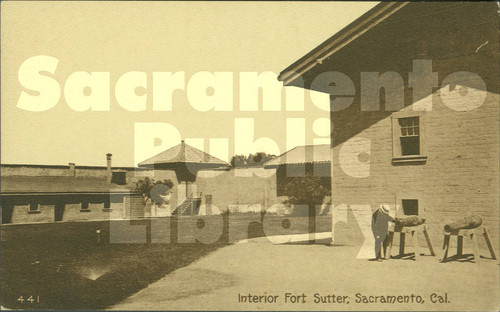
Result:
[
  {"x": 66, "y": 166},
  {"x": 277, "y": 157},
  {"x": 214, "y": 165},
  {"x": 68, "y": 193},
  {"x": 307, "y": 145},
  {"x": 339, "y": 40},
  {"x": 298, "y": 163},
  {"x": 182, "y": 150},
  {"x": 247, "y": 166}
]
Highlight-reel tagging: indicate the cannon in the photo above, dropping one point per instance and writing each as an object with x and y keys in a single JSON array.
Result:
[
  {"x": 464, "y": 224},
  {"x": 409, "y": 221}
]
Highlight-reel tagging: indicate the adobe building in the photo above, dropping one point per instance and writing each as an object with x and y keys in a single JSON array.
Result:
[
  {"x": 432, "y": 153},
  {"x": 203, "y": 185},
  {"x": 37, "y": 193}
]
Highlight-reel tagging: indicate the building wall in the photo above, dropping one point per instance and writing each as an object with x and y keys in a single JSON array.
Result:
[
  {"x": 118, "y": 210},
  {"x": 132, "y": 207},
  {"x": 239, "y": 189},
  {"x": 121, "y": 207},
  {"x": 459, "y": 178},
  {"x": 67, "y": 171},
  {"x": 21, "y": 214},
  {"x": 7, "y": 170}
]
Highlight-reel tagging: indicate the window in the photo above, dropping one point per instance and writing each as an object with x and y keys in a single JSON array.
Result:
[
  {"x": 85, "y": 206},
  {"x": 407, "y": 138},
  {"x": 410, "y": 203},
  {"x": 410, "y": 136},
  {"x": 34, "y": 207},
  {"x": 107, "y": 206},
  {"x": 410, "y": 207}
]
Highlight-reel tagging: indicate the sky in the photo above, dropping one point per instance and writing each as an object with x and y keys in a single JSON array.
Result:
[{"x": 215, "y": 46}]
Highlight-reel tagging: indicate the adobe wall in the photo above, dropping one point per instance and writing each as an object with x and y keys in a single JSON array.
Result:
[
  {"x": 459, "y": 178},
  {"x": 21, "y": 214},
  {"x": 240, "y": 189},
  {"x": 252, "y": 188},
  {"x": 121, "y": 207},
  {"x": 96, "y": 211},
  {"x": 67, "y": 171}
]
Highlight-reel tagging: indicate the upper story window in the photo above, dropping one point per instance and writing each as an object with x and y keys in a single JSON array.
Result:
[{"x": 408, "y": 138}]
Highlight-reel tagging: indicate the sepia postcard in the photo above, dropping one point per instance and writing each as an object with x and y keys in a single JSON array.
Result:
[{"x": 250, "y": 156}]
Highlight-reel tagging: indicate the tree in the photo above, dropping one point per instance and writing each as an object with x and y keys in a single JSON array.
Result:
[
  {"x": 154, "y": 190},
  {"x": 306, "y": 190},
  {"x": 238, "y": 161}
]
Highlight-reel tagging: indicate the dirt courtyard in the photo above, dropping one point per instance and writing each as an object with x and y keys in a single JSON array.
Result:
[{"x": 259, "y": 275}]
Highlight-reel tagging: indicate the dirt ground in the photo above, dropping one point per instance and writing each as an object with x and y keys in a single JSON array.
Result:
[
  {"x": 320, "y": 277},
  {"x": 68, "y": 266}
]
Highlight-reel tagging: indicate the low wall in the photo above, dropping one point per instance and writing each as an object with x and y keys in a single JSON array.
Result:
[{"x": 248, "y": 189}]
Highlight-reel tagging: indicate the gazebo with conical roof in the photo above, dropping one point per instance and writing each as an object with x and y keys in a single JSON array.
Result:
[{"x": 185, "y": 161}]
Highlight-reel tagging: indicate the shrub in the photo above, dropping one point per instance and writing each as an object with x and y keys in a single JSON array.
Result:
[{"x": 154, "y": 190}]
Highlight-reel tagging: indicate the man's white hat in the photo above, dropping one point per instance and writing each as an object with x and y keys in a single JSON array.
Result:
[{"x": 384, "y": 208}]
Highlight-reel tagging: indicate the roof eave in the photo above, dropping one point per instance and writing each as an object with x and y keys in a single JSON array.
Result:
[
  {"x": 342, "y": 38},
  {"x": 178, "y": 163},
  {"x": 68, "y": 193},
  {"x": 270, "y": 166}
]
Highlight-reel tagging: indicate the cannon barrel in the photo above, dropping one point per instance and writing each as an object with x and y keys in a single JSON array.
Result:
[
  {"x": 467, "y": 223},
  {"x": 410, "y": 221}
]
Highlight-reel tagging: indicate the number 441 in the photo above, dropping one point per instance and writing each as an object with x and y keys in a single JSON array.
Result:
[{"x": 31, "y": 299}]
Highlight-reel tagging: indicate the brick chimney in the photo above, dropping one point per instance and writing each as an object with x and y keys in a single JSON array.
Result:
[
  {"x": 72, "y": 170},
  {"x": 108, "y": 167}
]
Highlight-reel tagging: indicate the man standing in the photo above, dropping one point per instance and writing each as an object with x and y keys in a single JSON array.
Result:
[{"x": 380, "y": 225}]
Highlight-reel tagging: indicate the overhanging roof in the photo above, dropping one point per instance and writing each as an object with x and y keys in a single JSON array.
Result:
[
  {"x": 342, "y": 38},
  {"x": 183, "y": 154}
]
